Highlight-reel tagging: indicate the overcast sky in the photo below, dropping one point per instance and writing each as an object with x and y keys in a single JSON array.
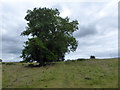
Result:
[{"x": 97, "y": 34}]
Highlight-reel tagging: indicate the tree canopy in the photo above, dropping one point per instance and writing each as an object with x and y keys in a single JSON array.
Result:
[{"x": 52, "y": 36}]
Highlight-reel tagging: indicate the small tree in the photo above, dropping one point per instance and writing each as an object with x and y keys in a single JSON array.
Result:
[
  {"x": 92, "y": 57},
  {"x": 52, "y": 36}
]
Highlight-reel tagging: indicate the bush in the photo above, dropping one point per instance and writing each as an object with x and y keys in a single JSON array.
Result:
[
  {"x": 30, "y": 65},
  {"x": 73, "y": 60},
  {"x": 92, "y": 57},
  {"x": 22, "y": 61},
  {"x": 10, "y": 63},
  {"x": 80, "y": 59},
  {"x": 69, "y": 61},
  {"x": 3, "y": 62}
]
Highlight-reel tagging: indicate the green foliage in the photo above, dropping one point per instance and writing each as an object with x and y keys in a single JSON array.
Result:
[
  {"x": 10, "y": 63},
  {"x": 82, "y": 59},
  {"x": 22, "y": 62},
  {"x": 92, "y": 57},
  {"x": 30, "y": 65},
  {"x": 3, "y": 62},
  {"x": 52, "y": 36},
  {"x": 70, "y": 61}
]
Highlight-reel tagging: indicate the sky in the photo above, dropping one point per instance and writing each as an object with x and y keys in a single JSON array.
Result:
[{"x": 97, "y": 34}]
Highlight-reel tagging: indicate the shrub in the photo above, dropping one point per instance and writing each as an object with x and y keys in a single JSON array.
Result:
[
  {"x": 3, "y": 62},
  {"x": 92, "y": 57},
  {"x": 22, "y": 61},
  {"x": 80, "y": 59},
  {"x": 68, "y": 61},
  {"x": 10, "y": 63},
  {"x": 73, "y": 60},
  {"x": 30, "y": 65}
]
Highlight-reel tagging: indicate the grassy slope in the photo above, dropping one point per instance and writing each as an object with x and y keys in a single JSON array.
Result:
[{"x": 79, "y": 74}]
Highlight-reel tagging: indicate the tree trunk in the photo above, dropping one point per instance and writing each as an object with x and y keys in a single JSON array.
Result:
[
  {"x": 63, "y": 57},
  {"x": 41, "y": 63}
]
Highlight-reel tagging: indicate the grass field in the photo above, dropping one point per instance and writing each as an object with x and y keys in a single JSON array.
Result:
[{"x": 101, "y": 73}]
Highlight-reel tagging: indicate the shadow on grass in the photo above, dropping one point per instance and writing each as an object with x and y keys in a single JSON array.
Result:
[{"x": 34, "y": 66}]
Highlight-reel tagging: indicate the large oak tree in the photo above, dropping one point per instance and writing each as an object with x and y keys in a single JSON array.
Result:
[{"x": 52, "y": 36}]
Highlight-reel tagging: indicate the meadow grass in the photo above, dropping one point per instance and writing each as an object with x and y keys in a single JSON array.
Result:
[{"x": 98, "y": 73}]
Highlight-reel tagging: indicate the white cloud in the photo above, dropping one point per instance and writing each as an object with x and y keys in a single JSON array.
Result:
[{"x": 65, "y": 12}]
